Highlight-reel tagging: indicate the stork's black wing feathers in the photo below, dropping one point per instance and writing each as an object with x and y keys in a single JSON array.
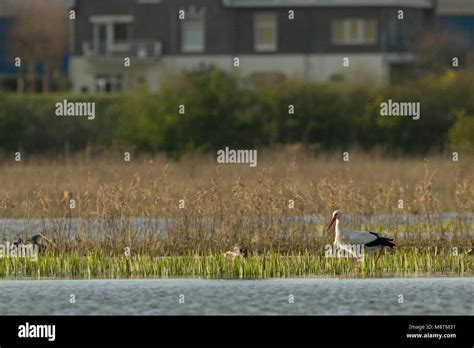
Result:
[
  {"x": 380, "y": 241},
  {"x": 379, "y": 236}
]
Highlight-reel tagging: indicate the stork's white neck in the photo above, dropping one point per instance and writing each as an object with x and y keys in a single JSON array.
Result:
[{"x": 339, "y": 229}]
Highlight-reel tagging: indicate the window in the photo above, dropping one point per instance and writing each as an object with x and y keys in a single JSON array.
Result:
[
  {"x": 111, "y": 33},
  {"x": 192, "y": 33},
  {"x": 101, "y": 38},
  {"x": 265, "y": 32},
  {"x": 120, "y": 32},
  {"x": 111, "y": 37},
  {"x": 395, "y": 38},
  {"x": 354, "y": 31}
]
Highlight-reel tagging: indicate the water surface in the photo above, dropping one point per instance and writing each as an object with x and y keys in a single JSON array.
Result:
[{"x": 312, "y": 296}]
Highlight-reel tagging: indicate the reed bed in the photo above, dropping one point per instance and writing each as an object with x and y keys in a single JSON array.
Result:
[
  {"x": 95, "y": 265},
  {"x": 195, "y": 207}
]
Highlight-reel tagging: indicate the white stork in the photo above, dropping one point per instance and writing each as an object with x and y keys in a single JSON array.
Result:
[{"x": 347, "y": 239}]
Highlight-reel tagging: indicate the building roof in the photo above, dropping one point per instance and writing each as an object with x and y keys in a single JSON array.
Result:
[
  {"x": 455, "y": 7},
  {"x": 329, "y": 3}
]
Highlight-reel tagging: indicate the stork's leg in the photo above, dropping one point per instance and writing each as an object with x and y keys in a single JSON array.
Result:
[
  {"x": 356, "y": 260},
  {"x": 380, "y": 253}
]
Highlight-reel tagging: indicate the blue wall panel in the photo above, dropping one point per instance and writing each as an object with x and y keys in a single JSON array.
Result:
[
  {"x": 461, "y": 24},
  {"x": 6, "y": 63}
]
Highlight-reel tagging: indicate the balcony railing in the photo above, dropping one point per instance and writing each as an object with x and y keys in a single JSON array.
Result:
[{"x": 141, "y": 50}]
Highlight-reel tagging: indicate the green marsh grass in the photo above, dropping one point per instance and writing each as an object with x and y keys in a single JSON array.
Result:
[{"x": 405, "y": 262}]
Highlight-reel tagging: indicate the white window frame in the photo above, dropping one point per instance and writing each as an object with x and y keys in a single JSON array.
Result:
[
  {"x": 109, "y": 21},
  {"x": 196, "y": 47},
  {"x": 347, "y": 31},
  {"x": 272, "y": 47}
]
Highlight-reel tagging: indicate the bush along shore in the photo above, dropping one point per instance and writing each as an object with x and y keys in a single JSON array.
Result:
[{"x": 210, "y": 109}]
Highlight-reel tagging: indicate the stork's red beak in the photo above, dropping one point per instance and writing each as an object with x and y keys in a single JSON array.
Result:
[{"x": 331, "y": 223}]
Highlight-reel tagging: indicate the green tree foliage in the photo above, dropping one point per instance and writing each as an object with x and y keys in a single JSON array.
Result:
[
  {"x": 461, "y": 134},
  {"x": 227, "y": 110}
]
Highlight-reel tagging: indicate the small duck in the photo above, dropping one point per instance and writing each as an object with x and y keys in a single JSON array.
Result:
[
  {"x": 37, "y": 241},
  {"x": 244, "y": 252},
  {"x": 19, "y": 242},
  {"x": 234, "y": 253},
  {"x": 237, "y": 252}
]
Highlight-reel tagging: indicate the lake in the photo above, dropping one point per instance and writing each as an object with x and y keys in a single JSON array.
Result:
[
  {"x": 307, "y": 296},
  {"x": 10, "y": 227}
]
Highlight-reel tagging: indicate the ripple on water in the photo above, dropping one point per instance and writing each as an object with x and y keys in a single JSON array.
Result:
[{"x": 315, "y": 296}]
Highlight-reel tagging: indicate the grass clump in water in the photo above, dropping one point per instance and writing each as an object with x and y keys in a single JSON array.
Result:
[{"x": 409, "y": 261}]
